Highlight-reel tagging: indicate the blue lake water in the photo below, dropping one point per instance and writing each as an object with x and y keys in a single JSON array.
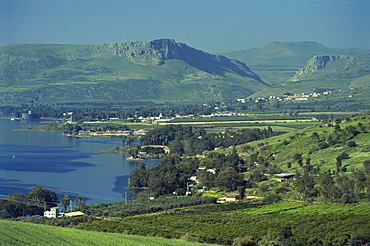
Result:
[{"x": 69, "y": 166}]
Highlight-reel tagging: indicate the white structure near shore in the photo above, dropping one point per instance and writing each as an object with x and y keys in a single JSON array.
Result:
[{"x": 53, "y": 213}]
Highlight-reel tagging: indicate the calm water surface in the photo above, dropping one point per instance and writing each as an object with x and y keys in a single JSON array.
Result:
[{"x": 69, "y": 166}]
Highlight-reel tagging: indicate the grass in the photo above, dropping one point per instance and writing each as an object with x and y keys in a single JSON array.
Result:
[
  {"x": 222, "y": 223},
  {"x": 21, "y": 233},
  {"x": 102, "y": 76}
]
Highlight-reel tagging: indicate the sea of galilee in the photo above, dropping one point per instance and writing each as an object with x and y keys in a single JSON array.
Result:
[{"x": 69, "y": 166}]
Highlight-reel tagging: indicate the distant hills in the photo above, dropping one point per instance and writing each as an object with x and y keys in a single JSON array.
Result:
[
  {"x": 163, "y": 70},
  {"x": 158, "y": 70},
  {"x": 277, "y": 62},
  {"x": 304, "y": 67},
  {"x": 333, "y": 66}
]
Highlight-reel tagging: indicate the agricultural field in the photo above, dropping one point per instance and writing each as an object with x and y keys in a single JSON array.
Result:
[
  {"x": 21, "y": 233},
  {"x": 221, "y": 224}
]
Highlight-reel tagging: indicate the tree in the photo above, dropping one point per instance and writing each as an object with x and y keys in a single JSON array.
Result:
[
  {"x": 80, "y": 201},
  {"x": 339, "y": 159},
  {"x": 289, "y": 165},
  {"x": 305, "y": 184},
  {"x": 359, "y": 180},
  {"x": 65, "y": 202},
  {"x": 351, "y": 143},
  {"x": 366, "y": 165},
  {"x": 297, "y": 156},
  {"x": 315, "y": 136},
  {"x": 326, "y": 185},
  {"x": 229, "y": 179},
  {"x": 165, "y": 178},
  {"x": 241, "y": 190},
  {"x": 139, "y": 176},
  {"x": 41, "y": 199},
  {"x": 177, "y": 147},
  {"x": 346, "y": 188},
  {"x": 13, "y": 206}
]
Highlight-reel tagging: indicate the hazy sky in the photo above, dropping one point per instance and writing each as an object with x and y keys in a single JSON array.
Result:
[{"x": 210, "y": 25}]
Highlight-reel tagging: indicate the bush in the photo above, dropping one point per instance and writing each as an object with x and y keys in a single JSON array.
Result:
[
  {"x": 272, "y": 198},
  {"x": 351, "y": 143}
]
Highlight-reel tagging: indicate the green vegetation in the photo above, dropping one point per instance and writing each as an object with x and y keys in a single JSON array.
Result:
[
  {"x": 223, "y": 223},
  {"x": 324, "y": 163},
  {"x": 325, "y": 204},
  {"x": 20, "y": 233},
  {"x": 120, "y": 72},
  {"x": 279, "y": 61}
]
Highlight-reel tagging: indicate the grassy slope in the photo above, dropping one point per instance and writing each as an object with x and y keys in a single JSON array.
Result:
[
  {"x": 277, "y": 62},
  {"x": 65, "y": 73},
  {"x": 223, "y": 223},
  {"x": 20, "y": 233},
  {"x": 300, "y": 141}
]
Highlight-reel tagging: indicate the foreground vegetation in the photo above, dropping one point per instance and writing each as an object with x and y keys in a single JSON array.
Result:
[
  {"x": 18, "y": 233},
  {"x": 270, "y": 224}
]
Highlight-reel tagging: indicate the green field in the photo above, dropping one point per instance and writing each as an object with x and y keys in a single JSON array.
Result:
[
  {"x": 221, "y": 224},
  {"x": 21, "y": 233}
]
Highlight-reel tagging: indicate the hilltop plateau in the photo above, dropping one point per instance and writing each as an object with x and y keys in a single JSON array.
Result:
[{"x": 158, "y": 70}]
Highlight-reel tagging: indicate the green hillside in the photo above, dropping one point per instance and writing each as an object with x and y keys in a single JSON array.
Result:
[
  {"x": 321, "y": 144},
  {"x": 293, "y": 223},
  {"x": 21, "y": 233},
  {"x": 277, "y": 62},
  {"x": 158, "y": 70}
]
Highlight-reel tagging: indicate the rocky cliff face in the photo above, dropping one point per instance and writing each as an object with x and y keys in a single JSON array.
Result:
[
  {"x": 338, "y": 66},
  {"x": 160, "y": 50}
]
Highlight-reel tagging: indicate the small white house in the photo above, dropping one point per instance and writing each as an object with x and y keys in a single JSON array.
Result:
[{"x": 53, "y": 213}]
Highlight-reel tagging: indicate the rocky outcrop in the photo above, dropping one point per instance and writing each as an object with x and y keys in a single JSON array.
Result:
[
  {"x": 160, "y": 50},
  {"x": 338, "y": 66}
]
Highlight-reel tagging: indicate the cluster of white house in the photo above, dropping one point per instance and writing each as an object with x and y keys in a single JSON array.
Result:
[
  {"x": 54, "y": 213},
  {"x": 290, "y": 97}
]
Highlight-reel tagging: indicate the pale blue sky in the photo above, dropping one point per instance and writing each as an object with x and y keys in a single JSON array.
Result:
[{"x": 210, "y": 25}]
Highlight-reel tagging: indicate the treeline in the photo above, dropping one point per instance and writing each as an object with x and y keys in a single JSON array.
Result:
[
  {"x": 143, "y": 206},
  {"x": 76, "y": 128},
  {"x": 35, "y": 202},
  {"x": 340, "y": 187},
  {"x": 173, "y": 172},
  {"x": 170, "y": 175},
  {"x": 188, "y": 140},
  {"x": 105, "y": 112}
]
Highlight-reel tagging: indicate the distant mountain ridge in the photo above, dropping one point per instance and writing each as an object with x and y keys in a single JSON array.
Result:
[
  {"x": 161, "y": 50},
  {"x": 289, "y": 54},
  {"x": 158, "y": 70}
]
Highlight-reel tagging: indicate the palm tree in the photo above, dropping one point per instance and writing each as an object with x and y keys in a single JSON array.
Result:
[
  {"x": 80, "y": 201},
  {"x": 65, "y": 202}
]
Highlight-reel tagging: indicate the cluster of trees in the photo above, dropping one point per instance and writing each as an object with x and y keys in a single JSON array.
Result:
[
  {"x": 35, "y": 202},
  {"x": 75, "y": 128},
  {"x": 104, "y": 112},
  {"x": 348, "y": 188},
  {"x": 188, "y": 140},
  {"x": 170, "y": 175},
  {"x": 173, "y": 172}
]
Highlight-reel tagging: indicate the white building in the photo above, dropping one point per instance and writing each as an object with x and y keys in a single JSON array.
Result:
[{"x": 53, "y": 213}]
